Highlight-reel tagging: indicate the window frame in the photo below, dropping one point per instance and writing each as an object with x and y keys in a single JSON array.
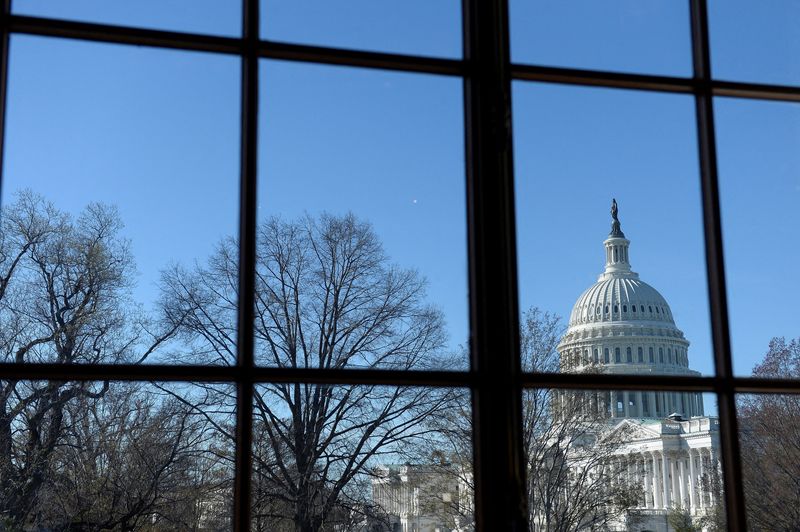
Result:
[{"x": 495, "y": 378}]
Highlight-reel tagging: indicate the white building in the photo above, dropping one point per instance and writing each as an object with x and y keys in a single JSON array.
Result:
[
  {"x": 622, "y": 325},
  {"x": 662, "y": 441},
  {"x": 424, "y": 498}
]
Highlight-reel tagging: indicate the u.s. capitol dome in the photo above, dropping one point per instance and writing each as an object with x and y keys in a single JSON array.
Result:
[{"x": 622, "y": 325}]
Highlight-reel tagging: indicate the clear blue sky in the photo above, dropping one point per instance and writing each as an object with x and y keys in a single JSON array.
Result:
[{"x": 156, "y": 133}]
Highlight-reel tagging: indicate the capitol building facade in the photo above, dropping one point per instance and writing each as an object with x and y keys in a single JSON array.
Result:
[
  {"x": 622, "y": 325},
  {"x": 665, "y": 447}
]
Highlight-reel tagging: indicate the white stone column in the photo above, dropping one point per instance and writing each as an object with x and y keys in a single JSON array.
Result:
[
  {"x": 711, "y": 465},
  {"x": 654, "y": 480},
  {"x": 673, "y": 470},
  {"x": 645, "y": 482},
  {"x": 665, "y": 479},
  {"x": 702, "y": 474},
  {"x": 628, "y": 470},
  {"x": 682, "y": 481},
  {"x": 625, "y": 403},
  {"x": 640, "y": 404},
  {"x": 692, "y": 484}
]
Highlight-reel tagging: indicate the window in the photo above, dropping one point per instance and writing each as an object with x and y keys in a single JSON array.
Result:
[
  {"x": 641, "y": 354},
  {"x": 628, "y": 355},
  {"x": 494, "y": 377}
]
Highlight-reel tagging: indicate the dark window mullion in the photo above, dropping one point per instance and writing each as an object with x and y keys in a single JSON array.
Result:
[
  {"x": 247, "y": 265},
  {"x": 497, "y": 396},
  {"x": 5, "y": 6},
  {"x": 709, "y": 177}
]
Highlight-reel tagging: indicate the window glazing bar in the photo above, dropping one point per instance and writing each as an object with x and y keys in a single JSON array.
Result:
[
  {"x": 365, "y": 59},
  {"x": 5, "y": 10},
  {"x": 89, "y": 31},
  {"x": 192, "y": 373},
  {"x": 500, "y": 500},
  {"x": 599, "y": 78},
  {"x": 247, "y": 266},
  {"x": 715, "y": 266},
  {"x": 48, "y": 27}
]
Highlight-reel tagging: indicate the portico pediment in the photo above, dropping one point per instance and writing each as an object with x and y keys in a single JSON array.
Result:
[{"x": 631, "y": 431}]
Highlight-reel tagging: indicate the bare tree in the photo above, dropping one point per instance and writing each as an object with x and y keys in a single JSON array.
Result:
[
  {"x": 326, "y": 297},
  {"x": 64, "y": 298},
  {"x": 770, "y": 444},
  {"x": 571, "y": 481},
  {"x": 134, "y": 461}
]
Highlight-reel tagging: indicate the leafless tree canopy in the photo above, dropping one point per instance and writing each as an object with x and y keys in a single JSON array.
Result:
[
  {"x": 82, "y": 455},
  {"x": 770, "y": 445},
  {"x": 571, "y": 481},
  {"x": 571, "y": 484},
  {"x": 101, "y": 455},
  {"x": 326, "y": 297}
]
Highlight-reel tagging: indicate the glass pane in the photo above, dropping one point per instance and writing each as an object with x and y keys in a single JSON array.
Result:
[
  {"x": 757, "y": 145},
  {"x": 755, "y": 41},
  {"x": 361, "y": 458},
  {"x": 115, "y": 456},
  {"x": 218, "y": 17},
  {"x": 617, "y": 293},
  {"x": 362, "y": 235},
  {"x": 417, "y": 27},
  {"x": 113, "y": 186},
  {"x": 769, "y": 432},
  {"x": 650, "y": 37},
  {"x": 614, "y": 460}
]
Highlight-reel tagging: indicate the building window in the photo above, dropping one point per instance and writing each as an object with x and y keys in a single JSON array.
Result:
[{"x": 240, "y": 379}]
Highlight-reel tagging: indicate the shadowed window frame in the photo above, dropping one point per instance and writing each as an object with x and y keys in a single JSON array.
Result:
[{"x": 495, "y": 378}]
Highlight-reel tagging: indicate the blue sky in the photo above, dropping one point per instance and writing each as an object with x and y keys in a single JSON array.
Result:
[{"x": 156, "y": 133}]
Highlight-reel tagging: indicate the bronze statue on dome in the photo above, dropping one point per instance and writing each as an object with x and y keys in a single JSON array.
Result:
[{"x": 616, "y": 230}]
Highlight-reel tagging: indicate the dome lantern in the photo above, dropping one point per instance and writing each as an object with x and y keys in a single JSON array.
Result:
[{"x": 617, "y": 260}]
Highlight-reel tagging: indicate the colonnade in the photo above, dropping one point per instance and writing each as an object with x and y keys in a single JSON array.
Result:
[
  {"x": 629, "y": 404},
  {"x": 669, "y": 478}
]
